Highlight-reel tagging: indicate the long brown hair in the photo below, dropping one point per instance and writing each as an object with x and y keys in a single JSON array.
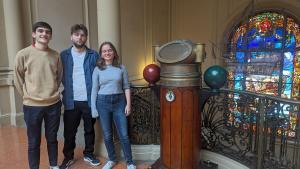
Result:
[{"x": 101, "y": 62}]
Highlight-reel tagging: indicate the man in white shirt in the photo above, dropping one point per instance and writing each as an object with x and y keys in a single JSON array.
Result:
[{"x": 78, "y": 63}]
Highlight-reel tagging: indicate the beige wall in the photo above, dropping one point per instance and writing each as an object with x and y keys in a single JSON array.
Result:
[
  {"x": 61, "y": 15},
  {"x": 144, "y": 23},
  {"x": 135, "y": 18},
  {"x": 92, "y": 23},
  {"x": 161, "y": 21}
]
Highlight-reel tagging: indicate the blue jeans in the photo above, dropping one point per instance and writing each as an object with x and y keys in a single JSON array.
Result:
[
  {"x": 111, "y": 108},
  {"x": 34, "y": 116}
]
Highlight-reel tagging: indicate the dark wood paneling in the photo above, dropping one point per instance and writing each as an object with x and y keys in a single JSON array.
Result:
[
  {"x": 165, "y": 122},
  {"x": 176, "y": 129},
  {"x": 187, "y": 127},
  {"x": 180, "y": 129},
  {"x": 196, "y": 128}
]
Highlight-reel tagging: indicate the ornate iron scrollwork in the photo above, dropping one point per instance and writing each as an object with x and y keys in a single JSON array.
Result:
[
  {"x": 257, "y": 130},
  {"x": 144, "y": 124}
]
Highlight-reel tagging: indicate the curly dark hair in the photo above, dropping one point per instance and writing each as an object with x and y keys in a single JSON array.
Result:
[
  {"x": 101, "y": 62},
  {"x": 78, "y": 27},
  {"x": 42, "y": 25}
]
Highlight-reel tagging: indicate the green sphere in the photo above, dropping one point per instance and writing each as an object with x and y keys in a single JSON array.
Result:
[{"x": 215, "y": 77}]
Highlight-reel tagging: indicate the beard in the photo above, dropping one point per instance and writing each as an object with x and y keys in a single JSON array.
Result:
[{"x": 79, "y": 45}]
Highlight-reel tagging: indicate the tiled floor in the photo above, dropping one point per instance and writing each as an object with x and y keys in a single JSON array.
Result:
[{"x": 13, "y": 152}]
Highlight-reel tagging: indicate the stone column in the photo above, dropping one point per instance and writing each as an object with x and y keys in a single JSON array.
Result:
[
  {"x": 13, "y": 28},
  {"x": 13, "y": 36},
  {"x": 108, "y": 12},
  {"x": 109, "y": 22}
]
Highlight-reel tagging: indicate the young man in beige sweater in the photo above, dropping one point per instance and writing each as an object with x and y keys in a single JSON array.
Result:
[{"x": 38, "y": 74}]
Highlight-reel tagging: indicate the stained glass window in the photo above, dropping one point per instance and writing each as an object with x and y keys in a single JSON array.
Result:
[{"x": 264, "y": 57}]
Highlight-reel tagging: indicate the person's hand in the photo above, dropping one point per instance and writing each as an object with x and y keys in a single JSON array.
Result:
[
  {"x": 95, "y": 117},
  {"x": 95, "y": 114},
  {"x": 127, "y": 110}
]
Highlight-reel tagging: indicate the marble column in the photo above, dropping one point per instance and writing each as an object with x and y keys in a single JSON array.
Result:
[
  {"x": 13, "y": 36},
  {"x": 109, "y": 22},
  {"x": 13, "y": 28},
  {"x": 108, "y": 12}
]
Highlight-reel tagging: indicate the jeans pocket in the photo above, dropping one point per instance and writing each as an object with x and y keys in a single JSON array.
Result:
[{"x": 99, "y": 102}]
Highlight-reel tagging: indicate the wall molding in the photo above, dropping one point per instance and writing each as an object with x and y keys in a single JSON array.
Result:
[
  {"x": 5, "y": 69},
  {"x": 6, "y": 82},
  {"x": 6, "y": 76},
  {"x": 13, "y": 119},
  {"x": 145, "y": 152}
]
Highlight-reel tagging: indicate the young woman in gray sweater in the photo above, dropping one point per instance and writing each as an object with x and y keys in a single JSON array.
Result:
[{"x": 111, "y": 102}]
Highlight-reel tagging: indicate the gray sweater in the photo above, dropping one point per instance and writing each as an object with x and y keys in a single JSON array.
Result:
[{"x": 112, "y": 80}]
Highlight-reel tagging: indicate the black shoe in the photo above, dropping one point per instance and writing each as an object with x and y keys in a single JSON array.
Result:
[
  {"x": 92, "y": 160},
  {"x": 66, "y": 163}
]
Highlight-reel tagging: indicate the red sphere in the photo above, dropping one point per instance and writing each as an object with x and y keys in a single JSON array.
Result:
[{"x": 151, "y": 74}]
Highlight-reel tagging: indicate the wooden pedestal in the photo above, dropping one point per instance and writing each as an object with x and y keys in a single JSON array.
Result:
[{"x": 180, "y": 129}]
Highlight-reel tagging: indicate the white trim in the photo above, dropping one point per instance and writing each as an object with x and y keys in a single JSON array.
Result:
[
  {"x": 6, "y": 118},
  {"x": 12, "y": 99},
  {"x": 145, "y": 152},
  {"x": 222, "y": 161}
]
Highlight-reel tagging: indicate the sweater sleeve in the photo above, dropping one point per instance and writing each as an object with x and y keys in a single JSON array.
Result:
[
  {"x": 126, "y": 84},
  {"x": 19, "y": 73},
  {"x": 59, "y": 72},
  {"x": 95, "y": 89}
]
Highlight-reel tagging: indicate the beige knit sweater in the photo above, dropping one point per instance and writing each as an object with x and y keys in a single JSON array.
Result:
[{"x": 38, "y": 74}]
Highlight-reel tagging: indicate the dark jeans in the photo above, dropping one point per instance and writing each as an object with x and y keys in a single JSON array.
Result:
[
  {"x": 111, "y": 109},
  {"x": 71, "y": 122},
  {"x": 34, "y": 116}
]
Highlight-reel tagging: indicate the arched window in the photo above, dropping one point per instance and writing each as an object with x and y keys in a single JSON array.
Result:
[{"x": 264, "y": 55}]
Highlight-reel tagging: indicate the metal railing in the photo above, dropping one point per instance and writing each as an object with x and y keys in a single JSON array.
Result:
[
  {"x": 144, "y": 124},
  {"x": 257, "y": 130}
]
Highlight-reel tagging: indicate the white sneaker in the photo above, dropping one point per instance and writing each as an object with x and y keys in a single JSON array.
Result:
[
  {"x": 109, "y": 165},
  {"x": 54, "y": 167},
  {"x": 131, "y": 166}
]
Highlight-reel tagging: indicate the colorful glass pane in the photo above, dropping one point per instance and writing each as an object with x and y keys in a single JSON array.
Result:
[
  {"x": 296, "y": 77},
  {"x": 288, "y": 62},
  {"x": 239, "y": 39},
  {"x": 264, "y": 57},
  {"x": 290, "y": 41},
  {"x": 265, "y": 31},
  {"x": 293, "y": 32},
  {"x": 278, "y": 38},
  {"x": 240, "y": 57}
]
